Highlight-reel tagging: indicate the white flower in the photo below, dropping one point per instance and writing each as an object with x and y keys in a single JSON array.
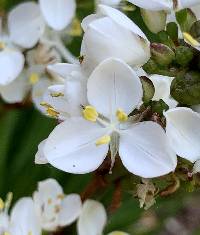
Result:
[
  {"x": 162, "y": 86},
  {"x": 113, "y": 3},
  {"x": 110, "y": 33},
  {"x": 53, "y": 208},
  {"x": 22, "y": 220},
  {"x": 80, "y": 146},
  {"x": 183, "y": 131},
  {"x": 93, "y": 218}
]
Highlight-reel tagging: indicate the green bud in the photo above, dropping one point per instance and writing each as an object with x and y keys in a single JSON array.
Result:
[
  {"x": 165, "y": 39},
  {"x": 185, "y": 88},
  {"x": 195, "y": 30},
  {"x": 159, "y": 107},
  {"x": 148, "y": 89},
  {"x": 162, "y": 54},
  {"x": 172, "y": 30},
  {"x": 151, "y": 67},
  {"x": 185, "y": 18},
  {"x": 184, "y": 55},
  {"x": 154, "y": 20}
]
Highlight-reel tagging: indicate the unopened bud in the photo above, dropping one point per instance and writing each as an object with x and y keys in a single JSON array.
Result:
[
  {"x": 184, "y": 55},
  {"x": 162, "y": 54},
  {"x": 154, "y": 20}
]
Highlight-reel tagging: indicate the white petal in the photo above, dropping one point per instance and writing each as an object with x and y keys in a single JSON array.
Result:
[
  {"x": 64, "y": 70},
  {"x": 92, "y": 219},
  {"x": 49, "y": 188},
  {"x": 106, "y": 38},
  {"x": 16, "y": 91},
  {"x": 118, "y": 233},
  {"x": 154, "y": 5},
  {"x": 119, "y": 18},
  {"x": 114, "y": 85},
  {"x": 11, "y": 64},
  {"x": 196, "y": 10},
  {"x": 23, "y": 218},
  {"x": 145, "y": 151},
  {"x": 187, "y": 3},
  {"x": 162, "y": 86},
  {"x": 112, "y": 3},
  {"x": 89, "y": 19},
  {"x": 70, "y": 209},
  {"x": 38, "y": 91},
  {"x": 25, "y": 24},
  {"x": 39, "y": 157},
  {"x": 71, "y": 146},
  {"x": 58, "y": 13},
  {"x": 183, "y": 131}
]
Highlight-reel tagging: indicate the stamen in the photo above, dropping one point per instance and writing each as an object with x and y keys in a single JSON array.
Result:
[
  {"x": 34, "y": 78},
  {"x": 103, "y": 140},
  {"x": 1, "y": 204},
  {"x": 189, "y": 39},
  {"x": 6, "y": 233},
  {"x": 50, "y": 110},
  {"x": 53, "y": 113},
  {"x": 61, "y": 196},
  {"x": 90, "y": 113},
  {"x": 2, "y": 45},
  {"x": 57, "y": 94},
  {"x": 121, "y": 115}
]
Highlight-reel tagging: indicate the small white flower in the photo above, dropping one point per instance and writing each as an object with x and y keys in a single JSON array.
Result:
[
  {"x": 183, "y": 131},
  {"x": 80, "y": 146},
  {"x": 110, "y": 33},
  {"x": 53, "y": 208},
  {"x": 162, "y": 86}
]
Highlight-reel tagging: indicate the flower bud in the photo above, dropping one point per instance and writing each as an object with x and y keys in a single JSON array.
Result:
[
  {"x": 184, "y": 55},
  {"x": 148, "y": 89},
  {"x": 154, "y": 20},
  {"x": 162, "y": 54},
  {"x": 185, "y": 88},
  {"x": 185, "y": 18}
]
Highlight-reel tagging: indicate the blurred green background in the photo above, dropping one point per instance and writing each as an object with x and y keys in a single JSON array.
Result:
[{"x": 21, "y": 129}]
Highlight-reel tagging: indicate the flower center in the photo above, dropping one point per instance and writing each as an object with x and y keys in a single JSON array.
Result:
[{"x": 34, "y": 78}]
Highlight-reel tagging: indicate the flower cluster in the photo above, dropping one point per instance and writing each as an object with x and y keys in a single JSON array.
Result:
[
  {"x": 127, "y": 99},
  {"x": 51, "y": 210}
]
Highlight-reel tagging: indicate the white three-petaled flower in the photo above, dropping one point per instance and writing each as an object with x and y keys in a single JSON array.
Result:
[
  {"x": 80, "y": 146},
  {"x": 53, "y": 208}
]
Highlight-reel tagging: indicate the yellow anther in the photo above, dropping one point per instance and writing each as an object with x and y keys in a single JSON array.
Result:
[
  {"x": 34, "y": 78},
  {"x": 46, "y": 105},
  {"x": 6, "y": 233},
  {"x": 52, "y": 112},
  {"x": 61, "y": 196},
  {"x": 121, "y": 115},
  {"x": 2, "y": 45},
  {"x": 30, "y": 233},
  {"x": 90, "y": 113},
  {"x": 57, "y": 94},
  {"x": 189, "y": 39},
  {"x": 118, "y": 233},
  {"x": 103, "y": 140},
  {"x": 76, "y": 29},
  {"x": 1, "y": 204}
]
